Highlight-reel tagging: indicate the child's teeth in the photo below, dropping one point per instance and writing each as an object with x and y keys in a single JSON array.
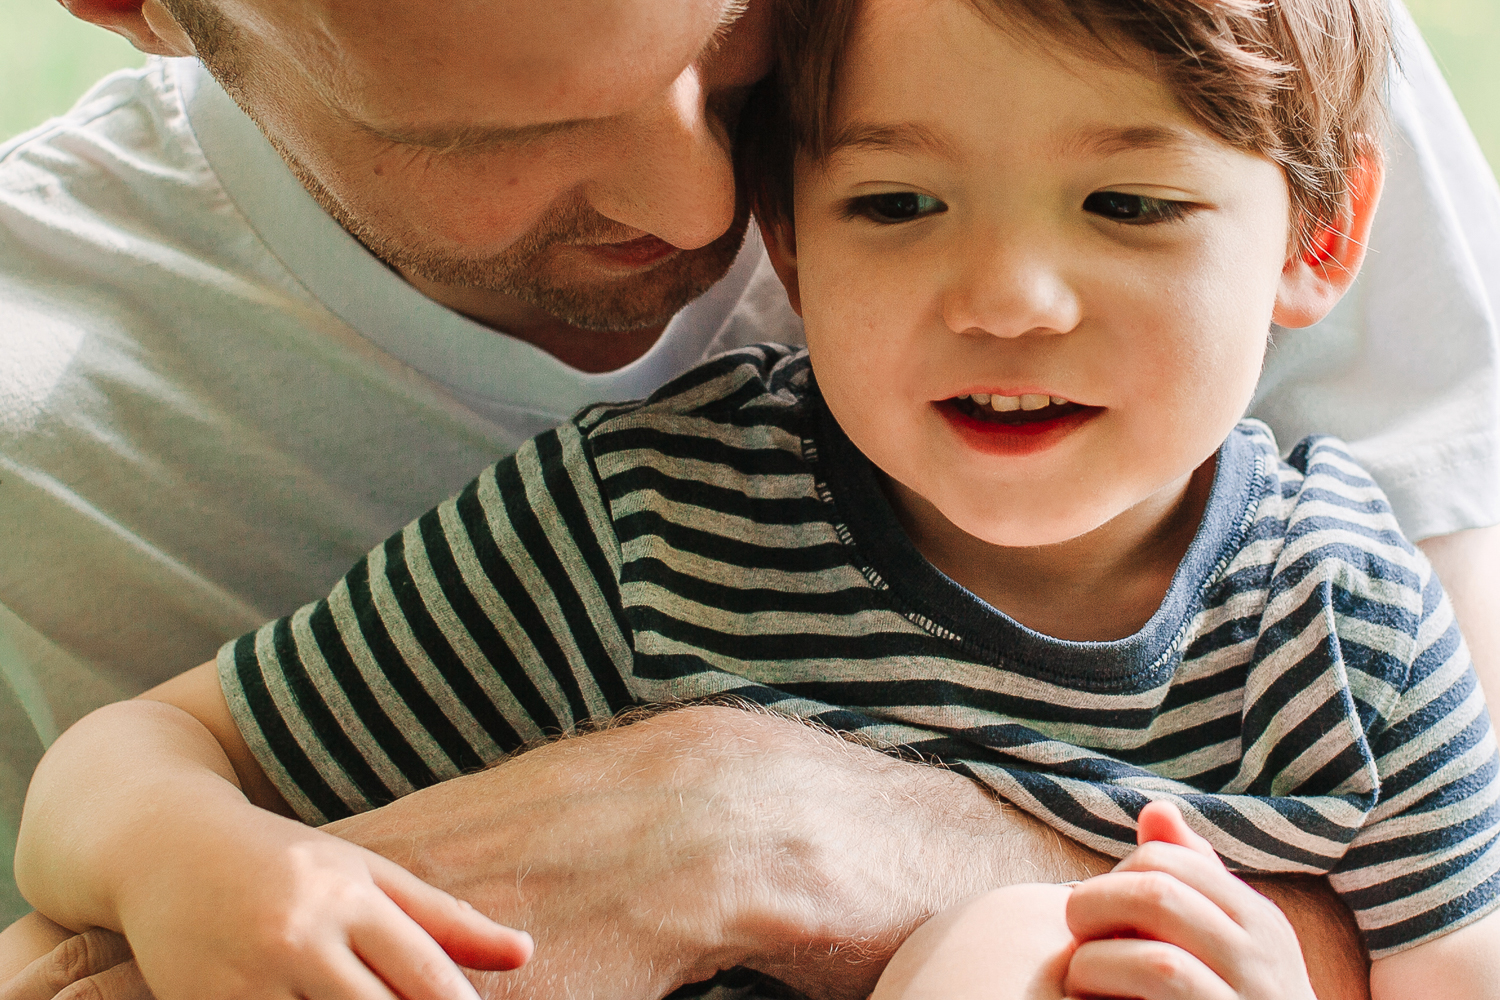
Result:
[
  {"x": 1058, "y": 401},
  {"x": 1034, "y": 401},
  {"x": 982, "y": 398},
  {"x": 1004, "y": 404}
]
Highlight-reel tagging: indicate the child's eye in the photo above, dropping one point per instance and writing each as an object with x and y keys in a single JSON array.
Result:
[
  {"x": 1133, "y": 208},
  {"x": 898, "y": 206}
]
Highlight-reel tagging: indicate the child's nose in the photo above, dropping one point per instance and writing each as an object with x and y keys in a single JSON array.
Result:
[{"x": 1010, "y": 292}]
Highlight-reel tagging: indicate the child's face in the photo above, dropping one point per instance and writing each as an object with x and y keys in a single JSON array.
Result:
[{"x": 1011, "y": 222}]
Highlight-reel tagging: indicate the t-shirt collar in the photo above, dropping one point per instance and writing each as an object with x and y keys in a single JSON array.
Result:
[{"x": 1137, "y": 662}]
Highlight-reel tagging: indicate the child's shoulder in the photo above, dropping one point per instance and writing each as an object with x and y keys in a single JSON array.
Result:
[
  {"x": 1333, "y": 547},
  {"x": 758, "y": 382},
  {"x": 1322, "y": 496}
]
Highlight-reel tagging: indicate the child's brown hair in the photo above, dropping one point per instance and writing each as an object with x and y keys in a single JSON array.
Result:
[{"x": 1300, "y": 82}]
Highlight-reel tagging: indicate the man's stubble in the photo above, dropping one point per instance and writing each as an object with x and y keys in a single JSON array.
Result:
[{"x": 524, "y": 269}]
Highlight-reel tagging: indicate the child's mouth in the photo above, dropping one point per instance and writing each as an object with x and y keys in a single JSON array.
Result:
[
  {"x": 1014, "y": 411},
  {"x": 1018, "y": 425}
]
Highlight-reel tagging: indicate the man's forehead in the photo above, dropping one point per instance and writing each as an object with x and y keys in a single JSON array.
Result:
[{"x": 430, "y": 64}]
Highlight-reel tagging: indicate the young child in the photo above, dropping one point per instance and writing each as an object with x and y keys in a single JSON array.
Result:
[{"x": 1005, "y": 514}]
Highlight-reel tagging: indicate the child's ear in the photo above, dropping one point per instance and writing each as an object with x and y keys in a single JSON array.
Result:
[
  {"x": 1314, "y": 281},
  {"x": 781, "y": 246}
]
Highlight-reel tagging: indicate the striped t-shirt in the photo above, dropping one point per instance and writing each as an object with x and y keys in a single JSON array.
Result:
[{"x": 1302, "y": 694}]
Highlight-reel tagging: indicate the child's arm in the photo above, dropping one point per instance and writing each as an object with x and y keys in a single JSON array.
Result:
[
  {"x": 1006, "y": 944},
  {"x": 138, "y": 820}
]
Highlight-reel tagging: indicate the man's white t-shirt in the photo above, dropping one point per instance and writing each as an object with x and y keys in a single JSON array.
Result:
[{"x": 213, "y": 400}]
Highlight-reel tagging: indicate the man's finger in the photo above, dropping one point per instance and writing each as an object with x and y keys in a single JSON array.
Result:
[
  {"x": 121, "y": 982},
  {"x": 74, "y": 961}
]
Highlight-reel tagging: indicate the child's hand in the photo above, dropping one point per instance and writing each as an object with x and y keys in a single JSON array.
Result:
[
  {"x": 279, "y": 910},
  {"x": 1171, "y": 921}
]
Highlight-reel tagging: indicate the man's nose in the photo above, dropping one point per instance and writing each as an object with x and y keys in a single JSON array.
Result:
[
  {"x": 1010, "y": 288},
  {"x": 673, "y": 176}
]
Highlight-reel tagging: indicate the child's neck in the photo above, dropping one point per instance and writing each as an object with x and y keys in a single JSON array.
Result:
[{"x": 1097, "y": 587}]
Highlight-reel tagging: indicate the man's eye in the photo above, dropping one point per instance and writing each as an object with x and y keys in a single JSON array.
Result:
[
  {"x": 1133, "y": 208},
  {"x": 898, "y": 206}
]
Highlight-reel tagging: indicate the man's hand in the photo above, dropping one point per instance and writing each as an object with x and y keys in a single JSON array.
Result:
[{"x": 96, "y": 964}]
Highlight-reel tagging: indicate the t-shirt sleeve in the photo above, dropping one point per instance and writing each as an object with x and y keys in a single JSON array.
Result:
[
  {"x": 1427, "y": 860},
  {"x": 491, "y": 621}
]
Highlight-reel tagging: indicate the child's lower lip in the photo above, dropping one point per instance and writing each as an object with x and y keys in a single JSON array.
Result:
[{"x": 994, "y": 438}]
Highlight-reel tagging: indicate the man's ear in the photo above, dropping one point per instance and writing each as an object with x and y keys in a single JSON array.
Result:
[
  {"x": 1314, "y": 281},
  {"x": 146, "y": 24},
  {"x": 781, "y": 246}
]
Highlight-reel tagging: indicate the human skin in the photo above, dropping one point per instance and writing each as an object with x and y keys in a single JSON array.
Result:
[
  {"x": 675, "y": 193},
  {"x": 839, "y": 852}
]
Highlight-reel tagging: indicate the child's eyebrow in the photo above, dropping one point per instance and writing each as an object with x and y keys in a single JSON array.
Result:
[
  {"x": 897, "y": 137},
  {"x": 1125, "y": 139}
]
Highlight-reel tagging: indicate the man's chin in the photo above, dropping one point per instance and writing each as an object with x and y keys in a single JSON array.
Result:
[{"x": 598, "y": 290}]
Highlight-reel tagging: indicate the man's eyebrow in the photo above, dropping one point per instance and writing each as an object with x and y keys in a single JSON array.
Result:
[
  {"x": 1125, "y": 139},
  {"x": 896, "y": 137}
]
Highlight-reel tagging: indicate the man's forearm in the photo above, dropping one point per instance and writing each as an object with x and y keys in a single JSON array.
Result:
[{"x": 707, "y": 838}]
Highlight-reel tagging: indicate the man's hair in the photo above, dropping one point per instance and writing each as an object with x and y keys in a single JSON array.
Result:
[{"x": 1300, "y": 82}]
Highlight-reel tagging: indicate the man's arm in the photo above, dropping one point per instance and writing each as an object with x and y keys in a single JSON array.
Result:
[
  {"x": 1468, "y": 564},
  {"x": 705, "y": 838}
]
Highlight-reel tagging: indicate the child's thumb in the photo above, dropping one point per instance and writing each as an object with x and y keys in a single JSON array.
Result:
[
  {"x": 1163, "y": 822},
  {"x": 470, "y": 938}
]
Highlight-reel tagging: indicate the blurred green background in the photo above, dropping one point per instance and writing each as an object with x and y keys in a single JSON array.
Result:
[{"x": 47, "y": 59}]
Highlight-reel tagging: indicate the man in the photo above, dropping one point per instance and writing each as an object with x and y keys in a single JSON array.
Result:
[{"x": 213, "y": 350}]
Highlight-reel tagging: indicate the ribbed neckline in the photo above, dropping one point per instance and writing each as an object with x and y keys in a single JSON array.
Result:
[{"x": 988, "y": 635}]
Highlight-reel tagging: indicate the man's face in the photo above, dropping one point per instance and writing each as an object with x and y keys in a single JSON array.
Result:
[{"x": 574, "y": 154}]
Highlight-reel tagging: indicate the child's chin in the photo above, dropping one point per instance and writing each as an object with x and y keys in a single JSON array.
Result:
[{"x": 1028, "y": 530}]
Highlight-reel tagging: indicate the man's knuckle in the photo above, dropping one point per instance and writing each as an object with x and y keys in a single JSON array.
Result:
[
  {"x": 74, "y": 959},
  {"x": 85, "y": 989}
]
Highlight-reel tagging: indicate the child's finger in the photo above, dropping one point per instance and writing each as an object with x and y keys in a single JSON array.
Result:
[
  {"x": 1205, "y": 875},
  {"x": 1162, "y": 822},
  {"x": 347, "y": 977},
  {"x": 1147, "y": 970},
  {"x": 1251, "y": 947},
  {"x": 1155, "y": 906},
  {"x": 402, "y": 954},
  {"x": 469, "y": 937}
]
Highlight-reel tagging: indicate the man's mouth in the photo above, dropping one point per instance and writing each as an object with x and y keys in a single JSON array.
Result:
[
  {"x": 639, "y": 252},
  {"x": 1030, "y": 408}
]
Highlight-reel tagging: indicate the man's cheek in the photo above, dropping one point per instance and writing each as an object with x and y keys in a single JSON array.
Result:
[{"x": 471, "y": 211}]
